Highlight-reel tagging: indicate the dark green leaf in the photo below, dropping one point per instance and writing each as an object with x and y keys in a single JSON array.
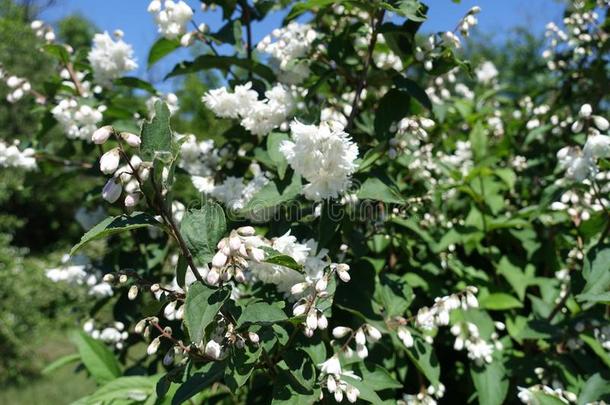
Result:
[
  {"x": 262, "y": 313},
  {"x": 414, "y": 89},
  {"x": 202, "y": 305},
  {"x": 202, "y": 229},
  {"x": 160, "y": 49},
  {"x": 136, "y": 83},
  {"x": 201, "y": 380},
  {"x": 376, "y": 190},
  {"x": 113, "y": 225},
  {"x": 491, "y": 382},
  {"x": 224, "y": 63}
]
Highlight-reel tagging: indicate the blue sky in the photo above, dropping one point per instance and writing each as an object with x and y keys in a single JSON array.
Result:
[{"x": 497, "y": 17}]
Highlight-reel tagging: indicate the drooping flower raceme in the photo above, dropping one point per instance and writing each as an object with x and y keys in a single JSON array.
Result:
[
  {"x": 291, "y": 44},
  {"x": 109, "y": 58},
  {"x": 171, "y": 19},
  {"x": 324, "y": 155}
]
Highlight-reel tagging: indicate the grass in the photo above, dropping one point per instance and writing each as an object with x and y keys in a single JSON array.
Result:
[{"x": 62, "y": 386}]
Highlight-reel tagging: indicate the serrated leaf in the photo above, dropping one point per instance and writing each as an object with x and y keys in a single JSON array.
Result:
[
  {"x": 157, "y": 134},
  {"x": 114, "y": 225},
  {"x": 202, "y": 229},
  {"x": 202, "y": 305}
]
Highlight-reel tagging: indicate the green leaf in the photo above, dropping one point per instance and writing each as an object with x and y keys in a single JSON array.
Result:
[
  {"x": 202, "y": 229},
  {"x": 377, "y": 377},
  {"x": 597, "y": 348},
  {"x": 414, "y": 89},
  {"x": 518, "y": 280},
  {"x": 272, "y": 195},
  {"x": 411, "y": 9},
  {"x": 160, "y": 49},
  {"x": 499, "y": 302},
  {"x": 367, "y": 393},
  {"x": 491, "y": 382},
  {"x": 157, "y": 134},
  {"x": 262, "y": 313},
  {"x": 375, "y": 189},
  {"x": 134, "y": 388},
  {"x": 309, "y": 5},
  {"x": 287, "y": 391},
  {"x": 60, "y": 362},
  {"x": 595, "y": 272},
  {"x": 274, "y": 140},
  {"x": 393, "y": 107},
  {"x": 300, "y": 367},
  {"x": 97, "y": 358},
  {"x": 478, "y": 141},
  {"x": 272, "y": 256},
  {"x": 546, "y": 399},
  {"x": 58, "y": 51},
  {"x": 596, "y": 389},
  {"x": 114, "y": 225},
  {"x": 240, "y": 365},
  {"x": 202, "y": 305},
  {"x": 136, "y": 83},
  {"x": 224, "y": 63},
  {"x": 423, "y": 357},
  {"x": 199, "y": 381},
  {"x": 393, "y": 294}
]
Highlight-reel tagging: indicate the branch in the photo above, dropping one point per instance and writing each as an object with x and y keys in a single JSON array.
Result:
[{"x": 367, "y": 63}]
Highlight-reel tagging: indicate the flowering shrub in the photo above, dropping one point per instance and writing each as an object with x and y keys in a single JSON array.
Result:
[{"x": 381, "y": 221}]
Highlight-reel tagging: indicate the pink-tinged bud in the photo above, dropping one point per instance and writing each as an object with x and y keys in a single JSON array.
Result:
[
  {"x": 321, "y": 284},
  {"x": 246, "y": 231},
  {"x": 112, "y": 191},
  {"x": 299, "y": 310},
  {"x": 213, "y": 277},
  {"x": 101, "y": 135},
  {"x": 131, "y": 139},
  {"x": 258, "y": 255},
  {"x": 219, "y": 260},
  {"x": 131, "y": 200},
  {"x": 322, "y": 322},
  {"x": 110, "y": 160},
  {"x": 153, "y": 346},
  {"x": 234, "y": 242}
]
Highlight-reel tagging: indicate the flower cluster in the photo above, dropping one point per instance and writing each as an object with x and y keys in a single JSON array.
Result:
[
  {"x": 79, "y": 121},
  {"x": 43, "y": 30},
  {"x": 109, "y": 58},
  {"x": 201, "y": 160},
  {"x": 291, "y": 44},
  {"x": 324, "y": 155},
  {"x": 427, "y": 397},
  {"x": 528, "y": 395},
  {"x": 18, "y": 87},
  {"x": 114, "y": 335},
  {"x": 172, "y": 18},
  {"x": 233, "y": 192},
  {"x": 258, "y": 116},
  {"x": 11, "y": 156},
  {"x": 331, "y": 373},
  {"x": 78, "y": 270}
]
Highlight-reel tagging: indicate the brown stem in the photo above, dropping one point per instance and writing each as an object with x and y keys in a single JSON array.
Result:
[{"x": 74, "y": 78}]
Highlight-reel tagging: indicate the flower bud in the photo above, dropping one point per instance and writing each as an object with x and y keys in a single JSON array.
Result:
[
  {"x": 585, "y": 111},
  {"x": 155, "y": 288},
  {"x": 361, "y": 351},
  {"x": 299, "y": 288},
  {"x": 322, "y": 322},
  {"x": 131, "y": 139},
  {"x": 373, "y": 333},
  {"x": 111, "y": 191},
  {"x": 360, "y": 337},
  {"x": 110, "y": 160},
  {"x": 108, "y": 278},
  {"x": 212, "y": 349},
  {"x": 312, "y": 319},
  {"x": 133, "y": 292},
  {"x": 219, "y": 260},
  {"x": 168, "y": 359},
  {"x": 321, "y": 284},
  {"x": 254, "y": 338},
  {"x": 139, "y": 328},
  {"x": 101, "y": 135},
  {"x": 123, "y": 278},
  {"x": 213, "y": 277},
  {"x": 341, "y": 331},
  {"x": 344, "y": 276},
  {"x": 131, "y": 200},
  {"x": 153, "y": 346},
  {"x": 246, "y": 231},
  {"x": 234, "y": 242},
  {"x": 331, "y": 384},
  {"x": 299, "y": 310}
]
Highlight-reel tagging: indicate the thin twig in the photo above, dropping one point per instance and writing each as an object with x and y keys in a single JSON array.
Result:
[{"x": 367, "y": 63}]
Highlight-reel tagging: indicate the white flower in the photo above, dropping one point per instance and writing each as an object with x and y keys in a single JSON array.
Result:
[
  {"x": 324, "y": 155},
  {"x": 331, "y": 366},
  {"x": 486, "y": 72},
  {"x": 597, "y": 146},
  {"x": 78, "y": 121},
  {"x": 173, "y": 19},
  {"x": 11, "y": 156},
  {"x": 110, "y": 59},
  {"x": 292, "y": 43}
]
